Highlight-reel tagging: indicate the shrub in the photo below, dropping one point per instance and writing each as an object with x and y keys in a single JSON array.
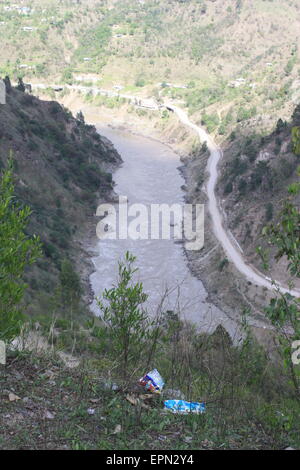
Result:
[
  {"x": 223, "y": 264},
  {"x": 17, "y": 252},
  {"x": 296, "y": 139},
  {"x": 228, "y": 188},
  {"x": 70, "y": 285},
  {"x": 127, "y": 321},
  {"x": 211, "y": 121},
  {"x": 140, "y": 82},
  {"x": 242, "y": 186},
  {"x": 269, "y": 211}
]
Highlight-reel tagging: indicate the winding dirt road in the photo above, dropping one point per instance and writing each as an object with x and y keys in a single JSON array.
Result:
[{"x": 229, "y": 245}]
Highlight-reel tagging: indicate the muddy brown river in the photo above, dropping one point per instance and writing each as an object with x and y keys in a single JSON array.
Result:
[{"x": 149, "y": 175}]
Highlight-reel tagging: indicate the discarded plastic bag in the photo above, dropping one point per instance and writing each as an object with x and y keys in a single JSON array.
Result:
[
  {"x": 152, "y": 382},
  {"x": 184, "y": 407}
]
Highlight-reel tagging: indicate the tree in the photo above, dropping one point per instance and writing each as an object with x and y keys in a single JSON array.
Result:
[
  {"x": 17, "y": 251},
  {"x": 67, "y": 76},
  {"x": 70, "y": 285},
  {"x": 296, "y": 139},
  {"x": 296, "y": 116},
  {"x": 238, "y": 6},
  {"x": 204, "y": 146},
  {"x": 80, "y": 117},
  {"x": 228, "y": 188},
  {"x": 140, "y": 82},
  {"x": 285, "y": 234},
  {"x": 269, "y": 211},
  {"x": 242, "y": 186},
  {"x": 280, "y": 126},
  {"x": 284, "y": 309},
  {"x": 127, "y": 321},
  {"x": 21, "y": 85}
]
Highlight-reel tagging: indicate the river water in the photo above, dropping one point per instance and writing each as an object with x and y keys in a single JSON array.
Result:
[{"x": 150, "y": 175}]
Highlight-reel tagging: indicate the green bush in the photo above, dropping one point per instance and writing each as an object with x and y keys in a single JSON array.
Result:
[
  {"x": 16, "y": 253},
  {"x": 228, "y": 188},
  {"x": 242, "y": 186},
  {"x": 122, "y": 307},
  {"x": 140, "y": 82},
  {"x": 269, "y": 211},
  {"x": 70, "y": 284},
  {"x": 223, "y": 264},
  {"x": 210, "y": 121},
  {"x": 296, "y": 139}
]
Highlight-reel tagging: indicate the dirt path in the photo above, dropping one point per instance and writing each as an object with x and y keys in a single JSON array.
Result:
[{"x": 229, "y": 244}]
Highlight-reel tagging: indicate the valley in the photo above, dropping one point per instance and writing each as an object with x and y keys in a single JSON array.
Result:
[{"x": 112, "y": 110}]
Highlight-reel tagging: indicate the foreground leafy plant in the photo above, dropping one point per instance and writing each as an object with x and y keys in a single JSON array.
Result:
[
  {"x": 17, "y": 251},
  {"x": 127, "y": 321}
]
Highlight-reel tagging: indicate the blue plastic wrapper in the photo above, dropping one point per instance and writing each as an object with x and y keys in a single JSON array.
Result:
[
  {"x": 152, "y": 382},
  {"x": 184, "y": 407}
]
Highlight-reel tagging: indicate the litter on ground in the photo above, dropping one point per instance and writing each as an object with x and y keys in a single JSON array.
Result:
[
  {"x": 152, "y": 382},
  {"x": 184, "y": 407}
]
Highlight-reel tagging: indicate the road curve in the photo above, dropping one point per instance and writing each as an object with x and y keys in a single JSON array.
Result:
[{"x": 229, "y": 245}]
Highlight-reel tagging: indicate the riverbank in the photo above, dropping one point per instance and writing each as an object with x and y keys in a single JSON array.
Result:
[
  {"x": 87, "y": 241},
  {"x": 224, "y": 284}
]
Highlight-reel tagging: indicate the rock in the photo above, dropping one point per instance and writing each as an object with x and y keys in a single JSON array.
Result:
[
  {"x": 118, "y": 429},
  {"x": 48, "y": 415},
  {"x": 13, "y": 397},
  {"x": 109, "y": 385},
  {"x": 18, "y": 376},
  {"x": 171, "y": 393}
]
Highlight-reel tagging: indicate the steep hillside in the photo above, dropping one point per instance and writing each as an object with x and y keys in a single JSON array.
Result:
[
  {"x": 63, "y": 168},
  {"x": 241, "y": 54},
  {"x": 233, "y": 66}
]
